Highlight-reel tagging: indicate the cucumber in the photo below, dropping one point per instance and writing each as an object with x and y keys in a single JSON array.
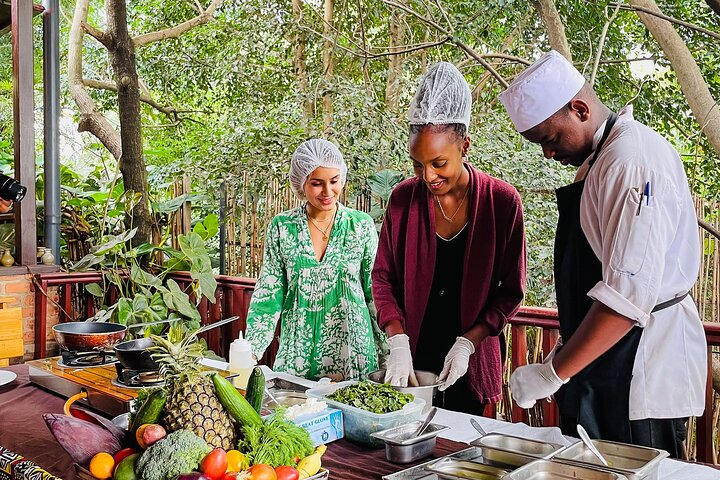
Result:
[
  {"x": 255, "y": 391},
  {"x": 235, "y": 404},
  {"x": 151, "y": 410}
]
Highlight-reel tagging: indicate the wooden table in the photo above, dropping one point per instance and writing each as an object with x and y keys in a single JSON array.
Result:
[{"x": 23, "y": 430}]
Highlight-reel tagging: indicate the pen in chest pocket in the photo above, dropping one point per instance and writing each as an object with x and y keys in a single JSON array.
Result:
[{"x": 644, "y": 195}]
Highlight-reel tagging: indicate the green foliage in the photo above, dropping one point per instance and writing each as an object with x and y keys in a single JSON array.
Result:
[{"x": 149, "y": 296}]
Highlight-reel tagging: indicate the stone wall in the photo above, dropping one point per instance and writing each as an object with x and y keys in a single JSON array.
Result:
[{"x": 21, "y": 287}]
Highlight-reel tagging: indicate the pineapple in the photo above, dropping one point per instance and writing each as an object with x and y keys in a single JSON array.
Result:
[{"x": 191, "y": 400}]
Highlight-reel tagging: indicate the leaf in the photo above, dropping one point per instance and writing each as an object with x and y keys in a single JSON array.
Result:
[
  {"x": 383, "y": 182},
  {"x": 113, "y": 241},
  {"x": 178, "y": 300},
  {"x": 175, "y": 203},
  {"x": 192, "y": 245},
  {"x": 142, "y": 277},
  {"x": 95, "y": 290},
  {"x": 208, "y": 228},
  {"x": 87, "y": 262}
]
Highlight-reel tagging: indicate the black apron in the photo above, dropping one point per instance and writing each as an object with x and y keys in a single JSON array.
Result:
[{"x": 598, "y": 397}]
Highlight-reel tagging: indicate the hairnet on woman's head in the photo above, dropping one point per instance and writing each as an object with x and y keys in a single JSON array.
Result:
[
  {"x": 310, "y": 155},
  {"x": 443, "y": 97}
]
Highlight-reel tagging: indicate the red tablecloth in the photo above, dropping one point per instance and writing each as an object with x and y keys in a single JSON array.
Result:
[{"x": 23, "y": 430}]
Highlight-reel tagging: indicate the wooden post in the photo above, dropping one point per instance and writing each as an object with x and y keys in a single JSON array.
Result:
[
  {"x": 23, "y": 125},
  {"x": 11, "y": 331},
  {"x": 518, "y": 359}
]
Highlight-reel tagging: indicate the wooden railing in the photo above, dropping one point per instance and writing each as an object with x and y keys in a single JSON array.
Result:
[{"x": 233, "y": 298}]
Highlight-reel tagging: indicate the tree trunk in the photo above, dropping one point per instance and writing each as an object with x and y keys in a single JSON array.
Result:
[
  {"x": 688, "y": 73},
  {"x": 299, "y": 40},
  {"x": 132, "y": 163},
  {"x": 328, "y": 62},
  {"x": 91, "y": 120},
  {"x": 554, "y": 26},
  {"x": 395, "y": 62}
]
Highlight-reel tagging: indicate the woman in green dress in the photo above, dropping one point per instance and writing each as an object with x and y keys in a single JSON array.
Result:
[{"x": 315, "y": 277}]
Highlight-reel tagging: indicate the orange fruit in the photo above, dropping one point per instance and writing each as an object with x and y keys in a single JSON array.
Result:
[{"x": 102, "y": 465}]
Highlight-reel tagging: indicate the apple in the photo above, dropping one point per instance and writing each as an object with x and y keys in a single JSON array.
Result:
[{"x": 151, "y": 434}]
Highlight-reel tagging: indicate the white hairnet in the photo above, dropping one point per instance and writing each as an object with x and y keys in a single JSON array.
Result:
[
  {"x": 442, "y": 97},
  {"x": 310, "y": 155}
]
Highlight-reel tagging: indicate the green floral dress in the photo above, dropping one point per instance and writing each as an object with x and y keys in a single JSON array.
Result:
[{"x": 328, "y": 320}]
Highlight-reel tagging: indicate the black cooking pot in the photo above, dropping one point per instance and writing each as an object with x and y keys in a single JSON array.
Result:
[
  {"x": 88, "y": 336},
  {"x": 134, "y": 355}
]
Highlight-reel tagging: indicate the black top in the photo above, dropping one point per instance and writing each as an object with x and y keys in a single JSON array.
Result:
[{"x": 441, "y": 324}]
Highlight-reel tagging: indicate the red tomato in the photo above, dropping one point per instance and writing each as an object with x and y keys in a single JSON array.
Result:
[
  {"x": 287, "y": 473},
  {"x": 122, "y": 454},
  {"x": 262, "y": 472},
  {"x": 214, "y": 465},
  {"x": 231, "y": 475}
]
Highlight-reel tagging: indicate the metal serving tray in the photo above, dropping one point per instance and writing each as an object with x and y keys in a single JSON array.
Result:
[
  {"x": 274, "y": 384},
  {"x": 451, "y": 468},
  {"x": 418, "y": 471},
  {"x": 401, "y": 435},
  {"x": 513, "y": 451},
  {"x": 632, "y": 461},
  {"x": 549, "y": 470}
]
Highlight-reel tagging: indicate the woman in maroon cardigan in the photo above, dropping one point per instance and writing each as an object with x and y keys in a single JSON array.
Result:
[{"x": 450, "y": 266}]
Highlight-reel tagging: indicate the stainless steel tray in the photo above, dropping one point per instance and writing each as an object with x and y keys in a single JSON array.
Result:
[
  {"x": 418, "y": 471},
  {"x": 632, "y": 461},
  {"x": 286, "y": 398},
  {"x": 513, "y": 451},
  {"x": 549, "y": 470},
  {"x": 451, "y": 468},
  {"x": 284, "y": 384},
  {"x": 401, "y": 435}
]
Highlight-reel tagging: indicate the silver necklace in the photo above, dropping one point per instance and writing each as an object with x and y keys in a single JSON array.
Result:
[{"x": 452, "y": 217}]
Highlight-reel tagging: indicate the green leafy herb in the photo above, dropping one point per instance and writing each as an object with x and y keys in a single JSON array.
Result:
[
  {"x": 372, "y": 397},
  {"x": 276, "y": 442}
]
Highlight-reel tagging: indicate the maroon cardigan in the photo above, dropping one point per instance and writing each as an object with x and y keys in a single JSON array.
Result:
[{"x": 493, "y": 281}]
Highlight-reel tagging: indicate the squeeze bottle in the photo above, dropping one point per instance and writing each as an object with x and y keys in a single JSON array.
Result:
[{"x": 241, "y": 361}]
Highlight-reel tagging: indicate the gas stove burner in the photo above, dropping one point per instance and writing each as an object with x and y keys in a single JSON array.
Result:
[
  {"x": 127, "y": 378},
  {"x": 86, "y": 359}
]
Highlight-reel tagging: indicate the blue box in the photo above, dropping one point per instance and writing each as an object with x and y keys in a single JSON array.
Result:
[{"x": 323, "y": 427}]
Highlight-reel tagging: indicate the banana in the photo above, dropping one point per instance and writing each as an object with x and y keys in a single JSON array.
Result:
[{"x": 310, "y": 465}]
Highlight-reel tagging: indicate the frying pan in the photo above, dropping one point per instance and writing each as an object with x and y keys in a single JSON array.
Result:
[
  {"x": 88, "y": 336},
  {"x": 133, "y": 354}
]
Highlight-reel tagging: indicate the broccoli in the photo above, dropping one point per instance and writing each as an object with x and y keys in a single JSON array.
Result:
[{"x": 179, "y": 452}]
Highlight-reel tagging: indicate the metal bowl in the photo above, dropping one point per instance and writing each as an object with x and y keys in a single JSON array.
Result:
[{"x": 428, "y": 385}]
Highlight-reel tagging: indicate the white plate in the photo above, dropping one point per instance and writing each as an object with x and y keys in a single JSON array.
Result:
[{"x": 6, "y": 377}]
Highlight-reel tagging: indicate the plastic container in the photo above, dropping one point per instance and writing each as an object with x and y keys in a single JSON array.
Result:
[
  {"x": 241, "y": 361},
  {"x": 359, "y": 424}
]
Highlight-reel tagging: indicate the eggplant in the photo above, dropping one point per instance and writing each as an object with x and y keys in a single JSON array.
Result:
[{"x": 192, "y": 476}]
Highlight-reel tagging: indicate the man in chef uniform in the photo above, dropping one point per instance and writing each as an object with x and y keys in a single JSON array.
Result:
[{"x": 631, "y": 365}]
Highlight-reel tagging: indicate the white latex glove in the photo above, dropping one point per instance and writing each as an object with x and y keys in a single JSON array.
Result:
[
  {"x": 533, "y": 382},
  {"x": 399, "y": 363},
  {"x": 456, "y": 362}
]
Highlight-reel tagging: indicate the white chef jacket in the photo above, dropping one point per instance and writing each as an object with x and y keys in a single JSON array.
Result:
[{"x": 650, "y": 253}]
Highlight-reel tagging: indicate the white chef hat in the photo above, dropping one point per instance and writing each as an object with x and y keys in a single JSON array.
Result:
[
  {"x": 442, "y": 97},
  {"x": 541, "y": 90},
  {"x": 310, "y": 155}
]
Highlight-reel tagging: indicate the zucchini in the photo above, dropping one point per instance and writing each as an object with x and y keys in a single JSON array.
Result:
[
  {"x": 255, "y": 391},
  {"x": 151, "y": 410},
  {"x": 235, "y": 404}
]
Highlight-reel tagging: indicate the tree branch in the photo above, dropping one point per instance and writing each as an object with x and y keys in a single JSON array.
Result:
[
  {"x": 97, "y": 34},
  {"x": 667, "y": 18},
  {"x": 709, "y": 228},
  {"x": 601, "y": 44},
  {"x": 177, "y": 30},
  {"x": 469, "y": 51},
  {"x": 105, "y": 85},
  {"x": 91, "y": 120}
]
